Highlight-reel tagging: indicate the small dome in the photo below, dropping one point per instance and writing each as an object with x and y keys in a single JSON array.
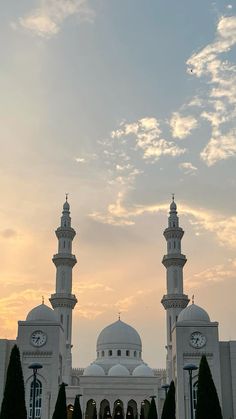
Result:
[
  {"x": 94, "y": 370},
  {"x": 42, "y": 313},
  {"x": 143, "y": 370},
  {"x": 173, "y": 206},
  {"x": 119, "y": 335},
  {"x": 118, "y": 370},
  {"x": 66, "y": 206},
  {"x": 193, "y": 313}
]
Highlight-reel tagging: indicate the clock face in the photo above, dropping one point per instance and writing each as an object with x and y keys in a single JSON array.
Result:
[
  {"x": 197, "y": 340},
  {"x": 38, "y": 338}
]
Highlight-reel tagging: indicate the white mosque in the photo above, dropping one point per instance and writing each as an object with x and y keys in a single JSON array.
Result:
[{"x": 118, "y": 383}]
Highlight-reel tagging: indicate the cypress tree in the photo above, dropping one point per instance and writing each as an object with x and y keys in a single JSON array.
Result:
[
  {"x": 152, "y": 414},
  {"x": 13, "y": 403},
  {"x": 168, "y": 411},
  {"x": 60, "y": 411},
  {"x": 208, "y": 405},
  {"x": 77, "y": 413}
]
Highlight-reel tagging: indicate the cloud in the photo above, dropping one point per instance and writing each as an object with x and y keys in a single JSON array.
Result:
[
  {"x": 217, "y": 273},
  {"x": 46, "y": 20},
  {"x": 148, "y": 141},
  {"x": 219, "y": 148},
  {"x": 182, "y": 125},
  {"x": 8, "y": 233},
  {"x": 188, "y": 168},
  {"x": 220, "y": 98},
  {"x": 224, "y": 228}
]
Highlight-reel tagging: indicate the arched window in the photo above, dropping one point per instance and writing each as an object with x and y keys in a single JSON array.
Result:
[
  {"x": 195, "y": 386},
  {"x": 119, "y": 352},
  {"x": 110, "y": 352},
  {"x": 38, "y": 400},
  {"x": 103, "y": 353},
  {"x": 127, "y": 353},
  {"x": 135, "y": 354}
]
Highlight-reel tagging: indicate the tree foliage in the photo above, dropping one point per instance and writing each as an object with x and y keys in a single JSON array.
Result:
[
  {"x": 13, "y": 404},
  {"x": 208, "y": 405},
  {"x": 60, "y": 411},
  {"x": 152, "y": 414},
  {"x": 168, "y": 411},
  {"x": 77, "y": 413}
]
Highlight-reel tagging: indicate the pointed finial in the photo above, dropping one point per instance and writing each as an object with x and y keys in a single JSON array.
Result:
[
  {"x": 173, "y": 196},
  {"x": 67, "y": 196},
  {"x": 193, "y": 299},
  {"x": 42, "y": 299},
  {"x": 119, "y": 315}
]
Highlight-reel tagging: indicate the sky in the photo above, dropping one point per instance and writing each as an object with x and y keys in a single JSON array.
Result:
[{"x": 120, "y": 104}]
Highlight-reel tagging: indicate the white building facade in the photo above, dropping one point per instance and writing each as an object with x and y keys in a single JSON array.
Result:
[{"x": 118, "y": 383}]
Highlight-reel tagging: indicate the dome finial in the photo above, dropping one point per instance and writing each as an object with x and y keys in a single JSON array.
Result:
[
  {"x": 193, "y": 299},
  {"x": 173, "y": 196},
  {"x": 42, "y": 299},
  {"x": 119, "y": 315},
  {"x": 67, "y": 196}
]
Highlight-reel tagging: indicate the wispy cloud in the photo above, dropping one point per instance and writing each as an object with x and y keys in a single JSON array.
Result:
[
  {"x": 218, "y": 273},
  {"x": 46, "y": 20},
  {"x": 220, "y": 148},
  {"x": 222, "y": 227},
  {"x": 147, "y": 133},
  {"x": 188, "y": 168},
  {"x": 182, "y": 126},
  {"x": 220, "y": 98}
]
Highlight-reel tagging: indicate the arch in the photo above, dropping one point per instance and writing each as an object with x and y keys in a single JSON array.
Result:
[
  {"x": 70, "y": 409},
  {"x": 118, "y": 352},
  {"x": 118, "y": 410},
  {"x": 195, "y": 388},
  {"x": 145, "y": 406},
  {"x": 91, "y": 410},
  {"x": 105, "y": 410},
  {"x": 38, "y": 399},
  {"x": 132, "y": 412}
]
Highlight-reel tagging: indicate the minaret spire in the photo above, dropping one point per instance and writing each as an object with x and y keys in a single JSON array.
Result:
[
  {"x": 175, "y": 300},
  {"x": 63, "y": 301}
]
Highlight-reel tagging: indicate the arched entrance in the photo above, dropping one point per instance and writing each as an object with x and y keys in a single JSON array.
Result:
[
  {"x": 70, "y": 409},
  {"x": 118, "y": 410},
  {"x": 105, "y": 411},
  {"x": 131, "y": 410},
  {"x": 145, "y": 406},
  {"x": 91, "y": 410}
]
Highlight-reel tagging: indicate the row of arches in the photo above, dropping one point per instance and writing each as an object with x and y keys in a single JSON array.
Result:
[{"x": 116, "y": 411}]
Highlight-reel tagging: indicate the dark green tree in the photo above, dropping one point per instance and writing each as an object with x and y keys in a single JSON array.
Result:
[
  {"x": 13, "y": 403},
  {"x": 77, "y": 413},
  {"x": 168, "y": 411},
  {"x": 152, "y": 414},
  {"x": 208, "y": 405},
  {"x": 60, "y": 411}
]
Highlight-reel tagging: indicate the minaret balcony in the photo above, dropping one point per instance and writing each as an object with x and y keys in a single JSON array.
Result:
[
  {"x": 63, "y": 300},
  {"x": 64, "y": 259},
  {"x": 174, "y": 259},
  {"x": 173, "y": 233},
  {"x": 175, "y": 301},
  {"x": 65, "y": 232}
]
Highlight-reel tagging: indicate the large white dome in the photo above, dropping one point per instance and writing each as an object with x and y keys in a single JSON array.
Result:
[
  {"x": 42, "y": 313},
  {"x": 94, "y": 370},
  {"x": 143, "y": 370},
  {"x": 193, "y": 313},
  {"x": 119, "y": 335},
  {"x": 118, "y": 370}
]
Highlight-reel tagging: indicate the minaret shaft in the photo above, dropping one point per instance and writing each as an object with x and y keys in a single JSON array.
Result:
[
  {"x": 63, "y": 301},
  {"x": 175, "y": 300}
]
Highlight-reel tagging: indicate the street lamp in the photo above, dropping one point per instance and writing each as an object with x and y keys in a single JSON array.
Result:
[
  {"x": 35, "y": 367},
  {"x": 166, "y": 388},
  {"x": 190, "y": 368}
]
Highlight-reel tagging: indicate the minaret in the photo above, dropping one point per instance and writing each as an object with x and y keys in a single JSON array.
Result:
[
  {"x": 63, "y": 301},
  {"x": 174, "y": 301}
]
